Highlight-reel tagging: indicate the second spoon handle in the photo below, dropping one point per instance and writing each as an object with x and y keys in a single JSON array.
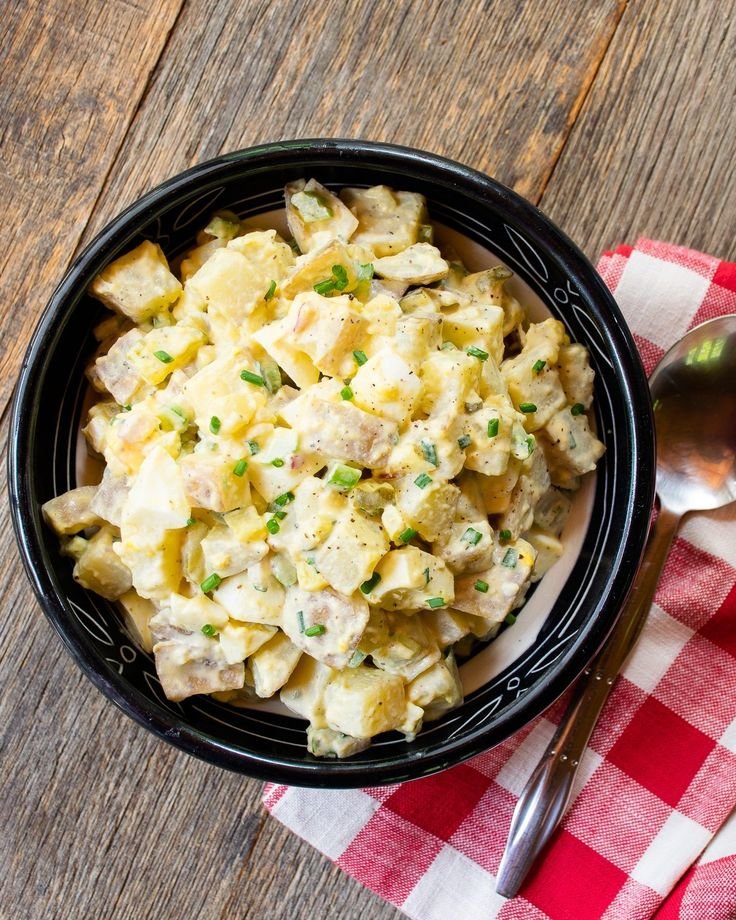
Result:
[{"x": 546, "y": 795}]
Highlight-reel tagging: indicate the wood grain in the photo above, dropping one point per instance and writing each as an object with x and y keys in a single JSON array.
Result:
[
  {"x": 617, "y": 117},
  {"x": 496, "y": 85},
  {"x": 653, "y": 151},
  {"x": 72, "y": 77}
]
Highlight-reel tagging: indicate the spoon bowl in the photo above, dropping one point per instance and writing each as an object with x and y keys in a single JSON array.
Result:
[{"x": 694, "y": 400}]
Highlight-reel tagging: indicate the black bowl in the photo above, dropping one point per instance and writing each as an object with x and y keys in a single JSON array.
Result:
[{"x": 46, "y": 416}]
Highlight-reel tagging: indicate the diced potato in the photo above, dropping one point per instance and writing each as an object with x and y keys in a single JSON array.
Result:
[
  {"x": 479, "y": 326},
  {"x": 448, "y": 379},
  {"x": 218, "y": 391},
  {"x": 327, "y": 329},
  {"x": 99, "y": 569},
  {"x": 488, "y": 286},
  {"x": 405, "y": 648},
  {"x": 137, "y": 614},
  {"x": 71, "y": 512},
  {"x": 325, "y": 624},
  {"x": 447, "y": 626},
  {"x": 110, "y": 498},
  {"x": 253, "y": 596},
  {"x": 570, "y": 447},
  {"x": 496, "y": 490},
  {"x": 268, "y": 255},
  {"x": 98, "y": 424},
  {"x": 420, "y": 263},
  {"x": 115, "y": 374},
  {"x": 164, "y": 350},
  {"x": 316, "y": 216},
  {"x": 506, "y": 580},
  {"x": 438, "y": 689},
  {"x": 209, "y": 482},
  {"x": 363, "y": 702},
  {"x": 531, "y": 486},
  {"x": 491, "y": 430},
  {"x": 466, "y": 546},
  {"x": 153, "y": 557},
  {"x": 386, "y": 385},
  {"x": 282, "y": 463},
  {"x": 275, "y": 338},
  {"x": 429, "y": 509},
  {"x": 316, "y": 267},
  {"x": 576, "y": 374},
  {"x": 388, "y": 221},
  {"x": 304, "y": 691},
  {"x": 417, "y": 335},
  {"x": 341, "y": 431},
  {"x": 273, "y": 664},
  {"x": 232, "y": 285},
  {"x": 138, "y": 284},
  {"x": 552, "y": 511},
  {"x": 350, "y": 553},
  {"x": 532, "y": 377},
  {"x": 549, "y": 549},
  {"x": 324, "y": 742}
]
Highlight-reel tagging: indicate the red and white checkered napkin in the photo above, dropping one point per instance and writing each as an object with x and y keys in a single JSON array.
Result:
[{"x": 648, "y": 832}]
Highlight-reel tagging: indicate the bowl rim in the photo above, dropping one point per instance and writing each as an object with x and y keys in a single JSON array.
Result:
[{"x": 328, "y": 774}]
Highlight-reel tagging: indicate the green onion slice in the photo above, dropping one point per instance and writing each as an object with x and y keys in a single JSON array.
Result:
[
  {"x": 407, "y": 535},
  {"x": 346, "y": 393},
  {"x": 300, "y": 620},
  {"x": 277, "y": 462},
  {"x": 253, "y": 447},
  {"x": 481, "y": 586},
  {"x": 538, "y": 366},
  {"x": 472, "y": 536},
  {"x": 422, "y": 480},
  {"x": 360, "y": 358},
  {"x": 527, "y": 407},
  {"x": 209, "y": 630},
  {"x": 163, "y": 356},
  {"x": 250, "y": 377},
  {"x": 464, "y": 441},
  {"x": 343, "y": 477},
  {"x": 477, "y": 353},
  {"x": 210, "y": 583},
  {"x": 240, "y": 467},
  {"x": 273, "y": 526},
  {"x": 511, "y": 558},
  {"x": 341, "y": 277},
  {"x": 284, "y": 499},
  {"x": 270, "y": 292},
  {"x": 317, "y": 630},
  {"x": 492, "y": 427},
  {"x": 577, "y": 409},
  {"x": 504, "y": 534},
  {"x": 430, "y": 453},
  {"x": 436, "y": 602},
  {"x": 371, "y": 583},
  {"x": 215, "y": 424}
]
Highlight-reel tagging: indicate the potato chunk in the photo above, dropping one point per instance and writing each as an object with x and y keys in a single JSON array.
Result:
[
  {"x": 363, "y": 702},
  {"x": 71, "y": 512},
  {"x": 325, "y": 624},
  {"x": 138, "y": 284}
]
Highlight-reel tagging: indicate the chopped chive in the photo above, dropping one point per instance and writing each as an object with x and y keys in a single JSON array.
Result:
[
  {"x": 191, "y": 521},
  {"x": 277, "y": 462},
  {"x": 371, "y": 583},
  {"x": 464, "y": 441},
  {"x": 538, "y": 366},
  {"x": 448, "y": 346},
  {"x": 250, "y": 377},
  {"x": 325, "y": 287},
  {"x": 300, "y": 620},
  {"x": 531, "y": 443},
  {"x": 253, "y": 447},
  {"x": 504, "y": 534},
  {"x": 436, "y": 602},
  {"x": 427, "y": 576},
  {"x": 240, "y": 467},
  {"x": 279, "y": 515},
  {"x": 341, "y": 277},
  {"x": 510, "y": 618},
  {"x": 577, "y": 409},
  {"x": 344, "y": 477},
  {"x": 527, "y": 407},
  {"x": 365, "y": 271},
  {"x": 163, "y": 356},
  {"x": 477, "y": 353},
  {"x": 360, "y": 358},
  {"x": 430, "y": 453},
  {"x": 210, "y": 583},
  {"x": 357, "y": 658},
  {"x": 317, "y": 630},
  {"x": 472, "y": 536},
  {"x": 215, "y": 424},
  {"x": 346, "y": 393},
  {"x": 260, "y": 589},
  {"x": 510, "y": 559},
  {"x": 284, "y": 499},
  {"x": 271, "y": 291},
  {"x": 422, "y": 480},
  {"x": 127, "y": 407},
  {"x": 492, "y": 427},
  {"x": 407, "y": 535},
  {"x": 209, "y": 630},
  {"x": 273, "y": 526},
  {"x": 481, "y": 586}
]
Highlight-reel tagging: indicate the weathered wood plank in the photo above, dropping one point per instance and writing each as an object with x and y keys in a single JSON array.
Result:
[
  {"x": 496, "y": 85},
  {"x": 72, "y": 77},
  {"x": 652, "y": 152}
]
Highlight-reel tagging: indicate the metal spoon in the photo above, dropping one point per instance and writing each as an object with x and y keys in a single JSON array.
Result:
[{"x": 693, "y": 390}]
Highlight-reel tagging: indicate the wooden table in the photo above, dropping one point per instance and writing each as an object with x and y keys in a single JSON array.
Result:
[{"x": 616, "y": 118}]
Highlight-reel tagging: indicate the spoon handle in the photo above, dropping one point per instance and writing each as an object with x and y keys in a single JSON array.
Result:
[{"x": 547, "y": 793}]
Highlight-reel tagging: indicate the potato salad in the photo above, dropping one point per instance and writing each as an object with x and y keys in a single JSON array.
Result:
[{"x": 332, "y": 462}]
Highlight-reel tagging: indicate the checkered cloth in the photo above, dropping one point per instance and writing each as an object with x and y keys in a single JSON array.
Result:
[{"x": 648, "y": 833}]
